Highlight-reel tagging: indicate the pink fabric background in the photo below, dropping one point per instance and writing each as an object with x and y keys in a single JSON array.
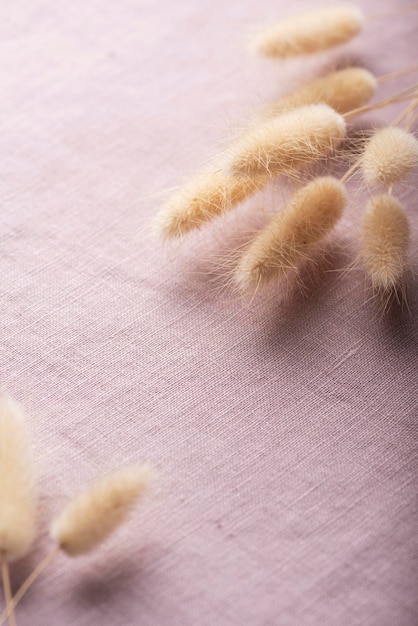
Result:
[{"x": 284, "y": 432}]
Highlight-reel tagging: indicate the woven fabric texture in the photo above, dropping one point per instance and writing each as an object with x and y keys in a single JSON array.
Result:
[{"x": 284, "y": 430}]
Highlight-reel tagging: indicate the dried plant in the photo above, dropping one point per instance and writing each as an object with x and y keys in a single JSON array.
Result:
[
  {"x": 206, "y": 196},
  {"x": 289, "y": 238},
  {"x": 86, "y": 522},
  {"x": 385, "y": 238},
  {"x": 18, "y": 492},
  {"x": 288, "y": 137},
  {"x": 91, "y": 517},
  {"x": 343, "y": 90},
  {"x": 389, "y": 156},
  {"x": 309, "y": 32},
  {"x": 288, "y": 143}
]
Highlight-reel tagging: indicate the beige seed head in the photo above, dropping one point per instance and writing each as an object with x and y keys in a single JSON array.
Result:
[
  {"x": 309, "y": 32},
  {"x": 343, "y": 90},
  {"x": 206, "y": 196},
  {"x": 92, "y": 516},
  {"x": 389, "y": 156},
  {"x": 385, "y": 238},
  {"x": 18, "y": 493},
  {"x": 288, "y": 239},
  {"x": 288, "y": 143}
]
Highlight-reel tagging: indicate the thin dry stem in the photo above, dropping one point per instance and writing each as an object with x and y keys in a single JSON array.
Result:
[
  {"x": 411, "y": 114},
  {"x": 343, "y": 90},
  {"x": 397, "y": 74},
  {"x": 401, "y": 96},
  {"x": 411, "y": 107},
  {"x": 400, "y": 11},
  {"x": 7, "y": 589},
  {"x": 350, "y": 171},
  {"x": 28, "y": 583}
]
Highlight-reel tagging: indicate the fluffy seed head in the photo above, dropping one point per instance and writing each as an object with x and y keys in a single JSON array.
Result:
[
  {"x": 343, "y": 90},
  {"x": 288, "y": 143},
  {"x": 92, "y": 516},
  {"x": 285, "y": 242},
  {"x": 309, "y": 32},
  {"x": 389, "y": 156},
  {"x": 18, "y": 497},
  {"x": 385, "y": 238},
  {"x": 203, "y": 198}
]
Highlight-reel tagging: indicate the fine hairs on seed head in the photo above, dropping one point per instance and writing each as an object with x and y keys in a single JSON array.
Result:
[
  {"x": 288, "y": 239},
  {"x": 384, "y": 242},
  {"x": 389, "y": 156},
  {"x": 204, "y": 197},
  {"x": 18, "y": 492},
  {"x": 288, "y": 143},
  {"x": 343, "y": 90},
  {"x": 309, "y": 32},
  {"x": 92, "y": 516}
]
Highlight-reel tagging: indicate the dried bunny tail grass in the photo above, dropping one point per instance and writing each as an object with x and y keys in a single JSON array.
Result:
[
  {"x": 384, "y": 243},
  {"x": 18, "y": 492},
  {"x": 92, "y": 516},
  {"x": 286, "y": 241},
  {"x": 206, "y": 196},
  {"x": 309, "y": 32},
  {"x": 343, "y": 90},
  {"x": 288, "y": 143},
  {"x": 389, "y": 156}
]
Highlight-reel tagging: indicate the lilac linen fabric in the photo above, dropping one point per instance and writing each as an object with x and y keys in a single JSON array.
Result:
[{"x": 284, "y": 430}]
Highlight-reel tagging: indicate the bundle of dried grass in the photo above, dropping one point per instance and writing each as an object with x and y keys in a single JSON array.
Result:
[{"x": 287, "y": 138}]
